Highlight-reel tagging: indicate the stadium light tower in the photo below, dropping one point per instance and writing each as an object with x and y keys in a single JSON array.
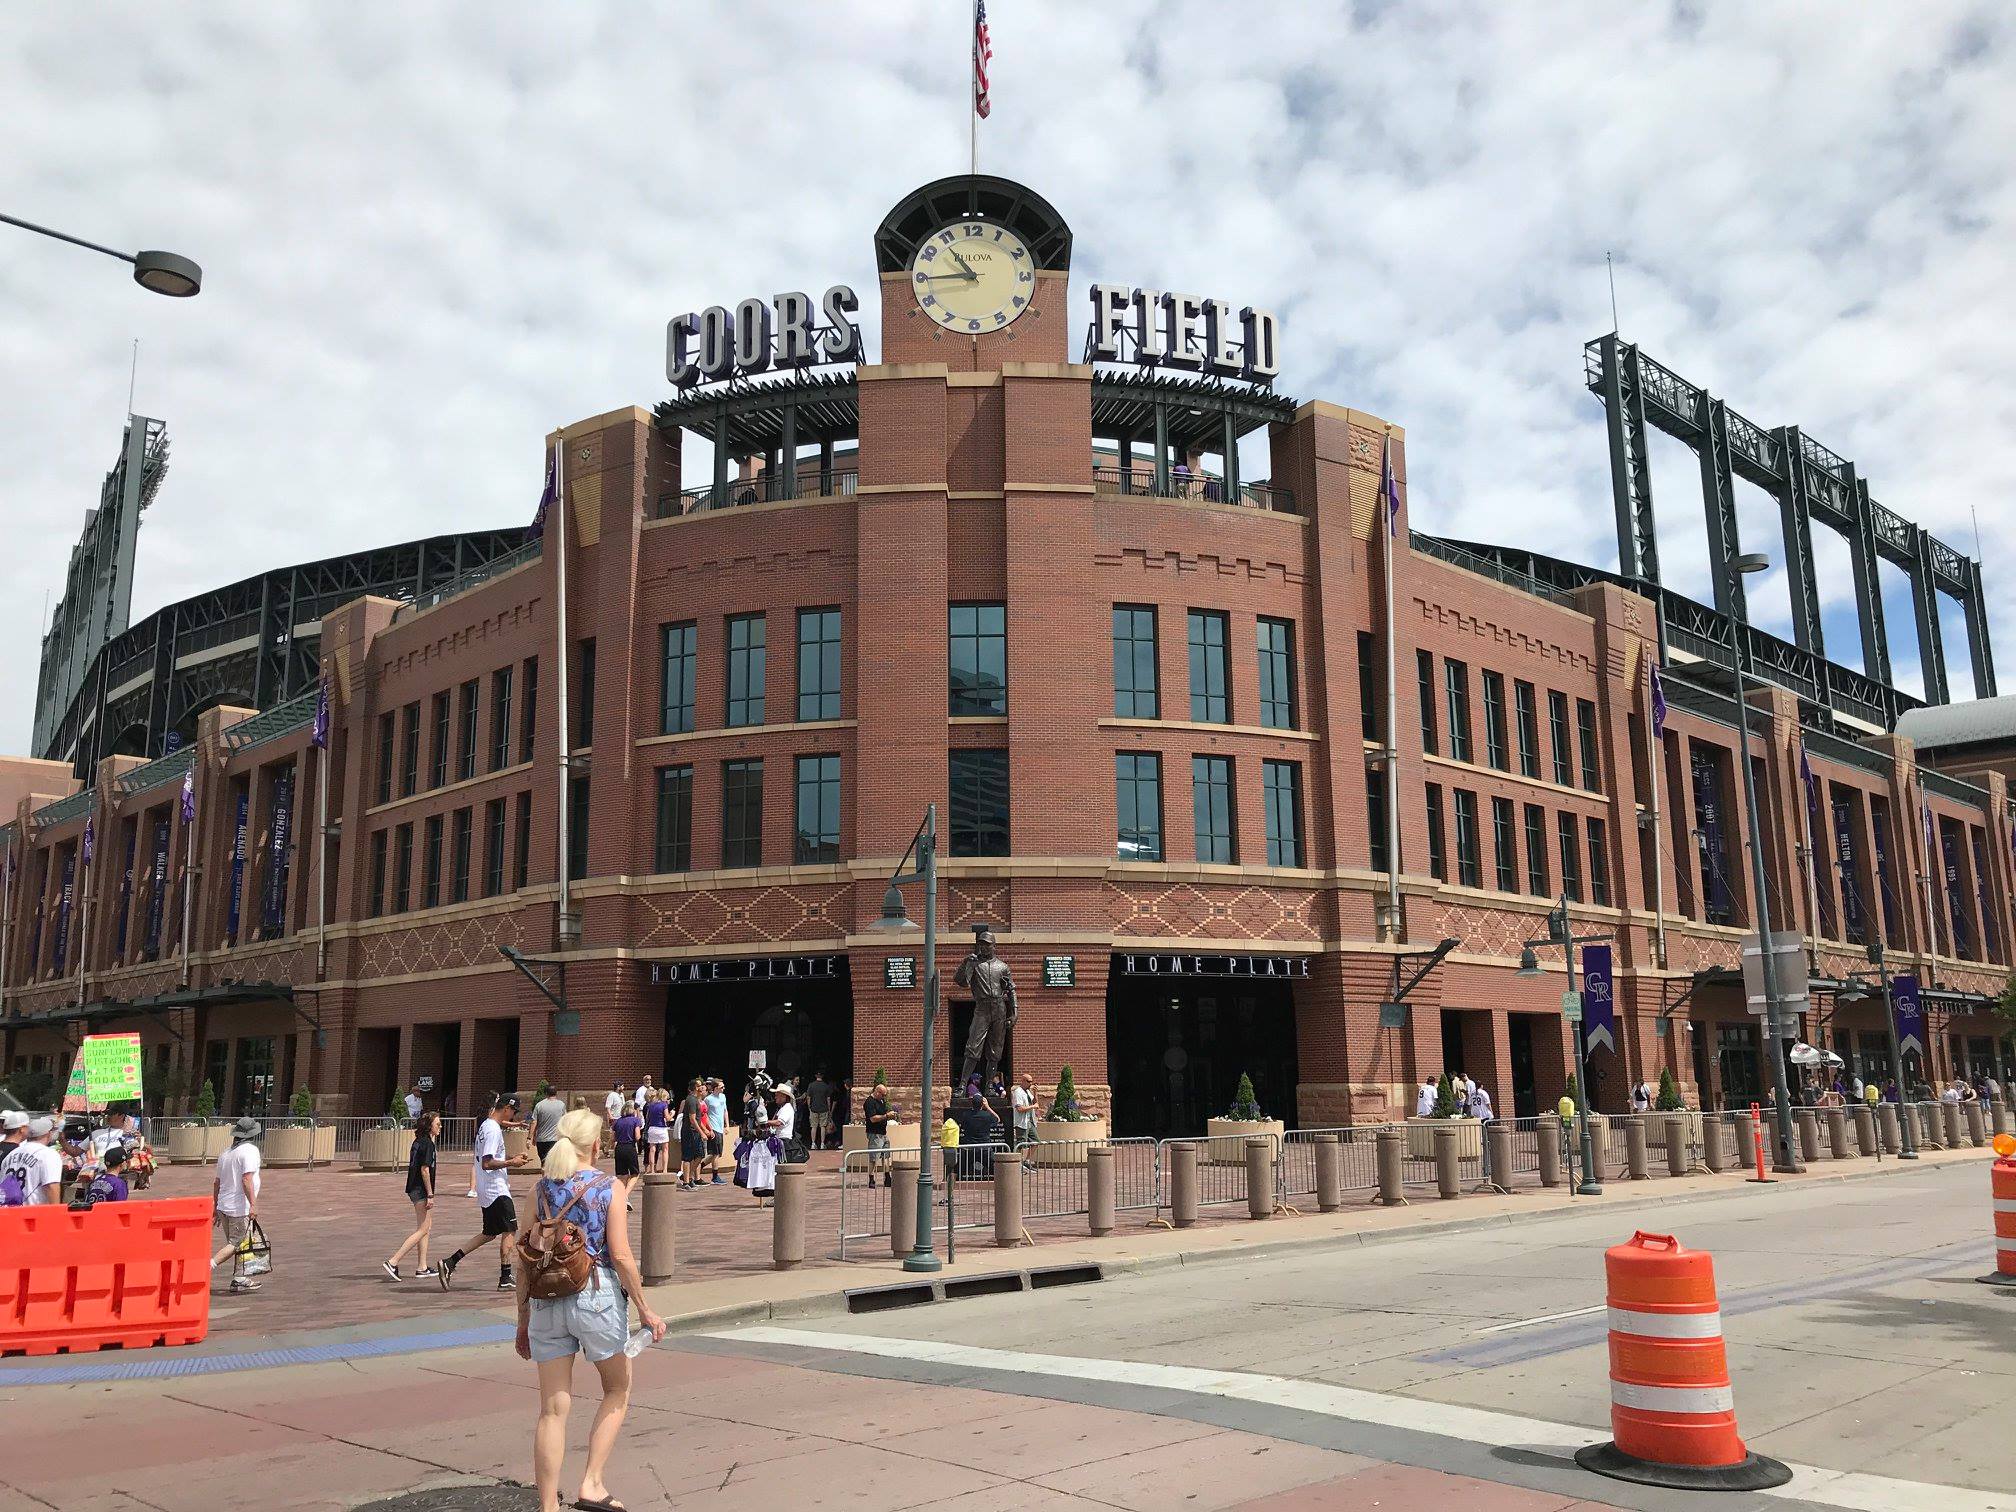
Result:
[{"x": 163, "y": 272}]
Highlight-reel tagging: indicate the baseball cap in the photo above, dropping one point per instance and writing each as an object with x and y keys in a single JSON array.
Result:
[
  {"x": 13, "y": 1119},
  {"x": 41, "y": 1128}
]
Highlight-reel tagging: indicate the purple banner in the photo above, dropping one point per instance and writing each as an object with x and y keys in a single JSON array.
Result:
[
  {"x": 276, "y": 866},
  {"x": 237, "y": 868},
  {"x": 1708, "y": 809},
  {"x": 158, "y": 893},
  {"x": 126, "y": 886},
  {"x": 1599, "y": 999},
  {"x": 1844, "y": 851},
  {"x": 1960, "y": 936},
  {"x": 1910, "y": 1011},
  {"x": 63, "y": 909}
]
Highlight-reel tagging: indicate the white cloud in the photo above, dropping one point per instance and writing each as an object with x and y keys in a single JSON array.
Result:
[{"x": 429, "y": 233}]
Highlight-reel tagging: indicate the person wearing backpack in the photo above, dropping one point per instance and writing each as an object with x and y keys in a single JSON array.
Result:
[{"x": 576, "y": 1274}]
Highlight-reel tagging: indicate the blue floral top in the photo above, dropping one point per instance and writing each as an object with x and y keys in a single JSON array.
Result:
[{"x": 590, "y": 1214}]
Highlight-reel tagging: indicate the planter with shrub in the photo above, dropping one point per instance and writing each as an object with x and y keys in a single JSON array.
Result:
[
  {"x": 1226, "y": 1144},
  {"x": 300, "y": 1141},
  {"x": 1067, "y": 1128},
  {"x": 205, "y": 1139}
]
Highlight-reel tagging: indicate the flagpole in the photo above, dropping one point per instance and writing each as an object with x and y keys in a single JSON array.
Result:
[
  {"x": 1656, "y": 766},
  {"x": 83, "y": 924},
  {"x": 1390, "y": 500},
  {"x": 556, "y": 532},
  {"x": 188, "y": 876},
  {"x": 1809, "y": 786},
  {"x": 6, "y": 920},
  {"x": 322, "y": 858},
  {"x": 972, "y": 114},
  {"x": 1925, "y": 841}
]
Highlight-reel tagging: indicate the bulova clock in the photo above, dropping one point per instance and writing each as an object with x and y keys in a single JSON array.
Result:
[{"x": 972, "y": 276}]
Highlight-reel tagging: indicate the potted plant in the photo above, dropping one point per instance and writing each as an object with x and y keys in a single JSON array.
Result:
[
  {"x": 385, "y": 1148},
  {"x": 1421, "y": 1131},
  {"x": 1668, "y": 1101},
  {"x": 298, "y": 1140},
  {"x": 1069, "y": 1126},
  {"x": 1242, "y": 1121},
  {"x": 201, "y": 1139}
]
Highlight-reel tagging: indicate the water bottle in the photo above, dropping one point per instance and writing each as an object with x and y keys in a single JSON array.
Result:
[{"x": 639, "y": 1341}]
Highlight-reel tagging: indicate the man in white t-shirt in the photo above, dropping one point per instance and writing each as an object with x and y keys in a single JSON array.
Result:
[
  {"x": 612, "y": 1105},
  {"x": 1424, "y": 1099},
  {"x": 493, "y": 1192},
  {"x": 235, "y": 1191},
  {"x": 1022, "y": 1106},
  {"x": 36, "y": 1163},
  {"x": 412, "y": 1106}
]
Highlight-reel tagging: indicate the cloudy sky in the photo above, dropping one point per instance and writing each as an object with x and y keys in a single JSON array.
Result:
[{"x": 431, "y": 231}]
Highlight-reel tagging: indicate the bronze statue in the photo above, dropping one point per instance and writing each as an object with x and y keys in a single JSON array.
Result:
[{"x": 986, "y": 975}]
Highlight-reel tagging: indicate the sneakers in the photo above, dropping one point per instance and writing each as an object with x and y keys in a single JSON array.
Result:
[
  {"x": 507, "y": 1282},
  {"x": 445, "y": 1272},
  {"x": 241, "y": 1285},
  {"x": 719, "y": 1182},
  {"x": 390, "y": 1269},
  {"x": 426, "y": 1273}
]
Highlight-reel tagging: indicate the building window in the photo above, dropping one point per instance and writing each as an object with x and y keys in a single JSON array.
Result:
[
  {"x": 818, "y": 837},
  {"x": 521, "y": 865},
  {"x": 1599, "y": 864},
  {"x": 466, "y": 717},
  {"x": 385, "y": 738},
  {"x": 437, "y": 768},
  {"x": 1469, "y": 863},
  {"x": 402, "y": 868},
  {"x": 1438, "y": 854},
  {"x": 577, "y": 828},
  {"x": 1536, "y": 851},
  {"x": 500, "y": 719},
  {"x": 581, "y": 698},
  {"x": 818, "y": 664},
  {"x": 493, "y": 847},
  {"x": 1505, "y": 844},
  {"x": 1456, "y": 684},
  {"x": 528, "y": 706},
  {"x": 1137, "y": 786},
  {"x": 1211, "y": 798},
  {"x": 1424, "y": 678},
  {"x": 673, "y": 851},
  {"x": 1210, "y": 686},
  {"x": 409, "y": 750},
  {"x": 1585, "y": 732},
  {"x": 1277, "y": 674},
  {"x": 747, "y": 650},
  {"x": 675, "y": 697},
  {"x": 1571, "y": 857},
  {"x": 1529, "y": 729},
  {"x": 458, "y": 873},
  {"x": 1375, "y": 819},
  {"x": 430, "y": 863},
  {"x": 378, "y": 849},
  {"x": 1281, "y": 785},
  {"x": 742, "y": 813},
  {"x": 1496, "y": 750},
  {"x": 977, "y": 659},
  {"x": 1557, "y": 720},
  {"x": 1135, "y": 694},
  {"x": 979, "y": 806}
]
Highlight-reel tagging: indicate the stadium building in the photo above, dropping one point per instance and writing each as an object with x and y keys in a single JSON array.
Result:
[{"x": 1067, "y": 565}]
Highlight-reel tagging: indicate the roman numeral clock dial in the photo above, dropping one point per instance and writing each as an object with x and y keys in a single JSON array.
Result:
[{"x": 973, "y": 277}]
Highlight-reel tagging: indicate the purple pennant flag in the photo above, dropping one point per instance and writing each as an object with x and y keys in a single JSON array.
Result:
[
  {"x": 1389, "y": 491},
  {"x": 1925, "y": 811},
  {"x": 1658, "y": 703},
  {"x": 189, "y": 796},
  {"x": 318, "y": 737},
  {"x": 1806, "y": 772},
  {"x": 548, "y": 496},
  {"x": 90, "y": 833}
]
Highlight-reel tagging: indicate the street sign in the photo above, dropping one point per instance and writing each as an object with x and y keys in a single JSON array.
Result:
[
  {"x": 423, "y": 1084},
  {"x": 1060, "y": 971},
  {"x": 567, "y": 1023},
  {"x": 1392, "y": 1015},
  {"x": 899, "y": 972},
  {"x": 1789, "y": 976},
  {"x": 1571, "y": 1007}
]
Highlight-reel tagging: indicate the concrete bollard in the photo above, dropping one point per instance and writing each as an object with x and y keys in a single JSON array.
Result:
[
  {"x": 1865, "y": 1129},
  {"x": 1951, "y": 1113},
  {"x": 1260, "y": 1178},
  {"x": 1837, "y": 1134},
  {"x": 903, "y": 1211},
  {"x": 1746, "y": 1142},
  {"x": 787, "y": 1217},
  {"x": 1977, "y": 1129},
  {"x": 1498, "y": 1145},
  {"x": 1636, "y": 1164},
  {"x": 1599, "y": 1153},
  {"x": 1448, "y": 1162},
  {"x": 1008, "y": 1198},
  {"x": 1183, "y": 1184},
  {"x": 1998, "y": 1121},
  {"x": 1930, "y": 1126},
  {"x": 1391, "y": 1149},
  {"x": 1712, "y": 1155},
  {"x": 1886, "y": 1127},
  {"x": 1099, "y": 1190},
  {"x": 1549, "y": 1139},
  {"x": 1809, "y": 1134},
  {"x": 1329, "y": 1173},
  {"x": 654, "y": 1253},
  {"x": 1678, "y": 1157}
]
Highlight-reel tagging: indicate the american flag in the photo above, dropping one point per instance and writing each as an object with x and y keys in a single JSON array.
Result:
[{"x": 983, "y": 54}]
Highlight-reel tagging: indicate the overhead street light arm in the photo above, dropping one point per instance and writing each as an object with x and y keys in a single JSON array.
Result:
[{"x": 162, "y": 272}]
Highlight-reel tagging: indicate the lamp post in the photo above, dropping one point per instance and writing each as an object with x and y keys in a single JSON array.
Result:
[
  {"x": 1783, "y": 1159},
  {"x": 163, "y": 272},
  {"x": 1529, "y": 966},
  {"x": 1907, "y": 1143},
  {"x": 924, "y": 847}
]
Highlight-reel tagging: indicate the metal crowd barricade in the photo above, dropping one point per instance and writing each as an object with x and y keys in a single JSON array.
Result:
[
  {"x": 1221, "y": 1169},
  {"x": 864, "y": 1200},
  {"x": 1526, "y": 1136},
  {"x": 1358, "y": 1160},
  {"x": 1054, "y": 1176},
  {"x": 457, "y": 1135}
]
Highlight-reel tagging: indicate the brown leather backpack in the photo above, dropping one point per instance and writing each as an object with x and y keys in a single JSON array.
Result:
[{"x": 555, "y": 1250}]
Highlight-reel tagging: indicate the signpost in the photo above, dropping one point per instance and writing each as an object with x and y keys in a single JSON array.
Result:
[{"x": 1571, "y": 1007}]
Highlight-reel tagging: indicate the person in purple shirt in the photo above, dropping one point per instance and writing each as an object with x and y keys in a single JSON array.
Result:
[
  {"x": 628, "y": 1130},
  {"x": 657, "y": 1131},
  {"x": 109, "y": 1184}
]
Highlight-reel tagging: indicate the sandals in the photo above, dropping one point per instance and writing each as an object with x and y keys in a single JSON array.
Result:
[{"x": 607, "y": 1504}]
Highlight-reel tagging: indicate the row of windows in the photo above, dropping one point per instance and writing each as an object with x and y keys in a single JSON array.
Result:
[
  {"x": 1136, "y": 690},
  {"x": 1508, "y": 727},
  {"x": 446, "y": 878},
  {"x": 1137, "y": 785},
  {"x": 745, "y": 693},
  {"x": 454, "y": 751},
  {"x": 1509, "y": 827},
  {"x": 816, "y": 838}
]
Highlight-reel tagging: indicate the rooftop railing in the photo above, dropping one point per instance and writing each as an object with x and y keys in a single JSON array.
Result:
[
  {"x": 840, "y": 483},
  {"x": 1196, "y": 486},
  {"x": 474, "y": 577}
]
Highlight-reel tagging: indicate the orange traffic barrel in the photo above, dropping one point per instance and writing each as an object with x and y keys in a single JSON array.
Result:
[
  {"x": 2002, "y": 1184},
  {"x": 1672, "y": 1413}
]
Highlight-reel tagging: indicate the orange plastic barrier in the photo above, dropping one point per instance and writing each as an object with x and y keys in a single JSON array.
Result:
[
  {"x": 122, "y": 1275},
  {"x": 1672, "y": 1411},
  {"x": 2002, "y": 1185}
]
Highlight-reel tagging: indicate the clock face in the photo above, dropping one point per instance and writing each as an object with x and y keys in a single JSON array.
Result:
[{"x": 973, "y": 276}]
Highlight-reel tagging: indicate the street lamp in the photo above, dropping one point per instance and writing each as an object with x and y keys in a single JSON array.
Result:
[
  {"x": 163, "y": 272},
  {"x": 895, "y": 916},
  {"x": 1783, "y": 1161},
  {"x": 1558, "y": 933},
  {"x": 1907, "y": 1144}
]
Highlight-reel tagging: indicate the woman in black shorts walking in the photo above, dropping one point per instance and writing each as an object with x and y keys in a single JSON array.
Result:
[
  {"x": 420, "y": 1192},
  {"x": 692, "y": 1143},
  {"x": 627, "y": 1131}
]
